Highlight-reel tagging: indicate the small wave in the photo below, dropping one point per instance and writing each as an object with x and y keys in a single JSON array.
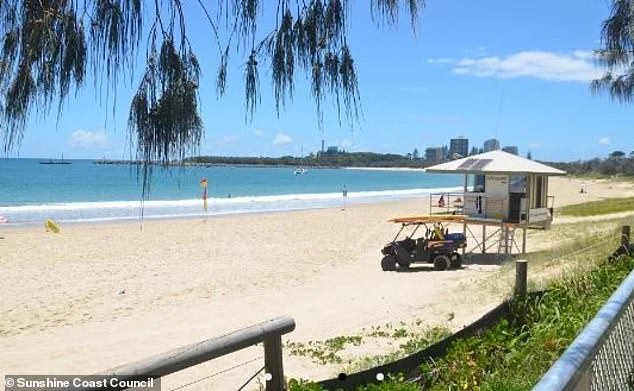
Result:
[{"x": 153, "y": 209}]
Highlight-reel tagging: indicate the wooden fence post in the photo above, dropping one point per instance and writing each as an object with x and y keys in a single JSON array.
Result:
[
  {"x": 521, "y": 267},
  {"x": 273, "y": 363},
  {"x": 625, "y": 235},
  {"x": 163, "y": 364}
]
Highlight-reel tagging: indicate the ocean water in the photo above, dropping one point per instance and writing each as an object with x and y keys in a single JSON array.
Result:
[{"x": 83, "y": 191}]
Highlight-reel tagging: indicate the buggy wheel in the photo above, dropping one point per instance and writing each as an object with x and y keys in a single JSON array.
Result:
[
  {"x": 456, "y": 260},
  {"x": 388, "y": 263},
  {"x": 441, "y": 263},
  {"x": 402, "y": 258},
  {"x": 402, "y": 264}
]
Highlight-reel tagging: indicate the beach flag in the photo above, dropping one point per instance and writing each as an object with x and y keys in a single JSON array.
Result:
[{"x": 204, "y": 184}]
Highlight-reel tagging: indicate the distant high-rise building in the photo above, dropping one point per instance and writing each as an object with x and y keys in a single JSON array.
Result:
[
  {"x": 332, "y": 150},
  {"x": 458, "y": 147},
  {"x": 434, "y": 154},
  {"x": 323, "y": 149},
  {"x": 491, "y": 145},
  {"x": 511, "y": 149},
  {"x": 444, "y": 151}
]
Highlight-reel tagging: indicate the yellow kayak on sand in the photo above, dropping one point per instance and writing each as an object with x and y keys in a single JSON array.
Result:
[{"x": 51, "y": 226}]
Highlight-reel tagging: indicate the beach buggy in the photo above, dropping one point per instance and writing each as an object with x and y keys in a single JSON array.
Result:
[{"x": 434, "y": 245}]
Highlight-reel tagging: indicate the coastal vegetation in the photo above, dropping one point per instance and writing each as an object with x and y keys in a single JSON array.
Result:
[
  {"x": 409, "y": 338},
  {"x": 336, "y": 159},
  {"x": 594, "y": 208},
  {"x": 617, "y": 163},
  {"x": 515, "y": 353}
]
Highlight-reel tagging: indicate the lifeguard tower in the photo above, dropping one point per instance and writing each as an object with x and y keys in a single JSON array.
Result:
[{"x": 501, "y": 190}]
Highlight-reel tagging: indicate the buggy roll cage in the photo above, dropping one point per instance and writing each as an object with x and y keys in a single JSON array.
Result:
[{"x": 436, "y": 224}]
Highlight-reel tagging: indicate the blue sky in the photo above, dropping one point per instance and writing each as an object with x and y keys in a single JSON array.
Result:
[{"x": 518, "y": 71}]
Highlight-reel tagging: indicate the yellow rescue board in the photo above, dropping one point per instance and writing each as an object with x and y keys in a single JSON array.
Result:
[
  {"x": 51, "y": 226},
  {"x": 429, "y": 219}
]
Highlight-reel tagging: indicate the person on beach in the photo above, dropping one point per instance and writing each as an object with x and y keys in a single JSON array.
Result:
[{"x": 344, "y": 192}]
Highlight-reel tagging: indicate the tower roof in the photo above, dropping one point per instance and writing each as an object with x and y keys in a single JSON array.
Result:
[{"x": 495, "y": 162}]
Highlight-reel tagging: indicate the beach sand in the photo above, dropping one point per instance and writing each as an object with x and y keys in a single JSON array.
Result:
[{"x": 98, "y": 296}]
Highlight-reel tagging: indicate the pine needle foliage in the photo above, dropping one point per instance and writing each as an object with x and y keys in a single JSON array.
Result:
[
  {"x": 49, "y": 45},
  {"x": 617, "y": 53}
]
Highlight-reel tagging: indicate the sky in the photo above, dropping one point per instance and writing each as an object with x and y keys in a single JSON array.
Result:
[{"x": 515, "y": 71}]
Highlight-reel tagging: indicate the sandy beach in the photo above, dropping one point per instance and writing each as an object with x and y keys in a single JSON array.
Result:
[{"x": 99, "y": 296}]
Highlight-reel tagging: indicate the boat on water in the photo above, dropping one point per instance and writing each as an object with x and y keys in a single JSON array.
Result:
[
  {"x": 51, "y": 161},
  {"x": 300, "y": 170}
]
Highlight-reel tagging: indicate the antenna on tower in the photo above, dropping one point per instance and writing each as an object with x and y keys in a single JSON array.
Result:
[{"x": 497, "y": 125}]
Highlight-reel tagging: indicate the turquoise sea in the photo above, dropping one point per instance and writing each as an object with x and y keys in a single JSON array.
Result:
[{"x": 83, "y": 191}]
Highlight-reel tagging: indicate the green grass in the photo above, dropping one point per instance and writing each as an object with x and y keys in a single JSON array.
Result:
[
  {"x": 596, "y": 175},
  {"x": 594, "y": 208},
  {"x": 580, "y": 245},
  {"x": 592, "y": 175},
  {"x": 517, "y": 352}
]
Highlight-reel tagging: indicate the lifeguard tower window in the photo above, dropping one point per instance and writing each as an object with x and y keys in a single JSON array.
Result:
[
  {"x": 539, "y": 191},
  {"x": 478, "y": 183},
  {"x": 517, "y": 184},
  {"x": 517, "y": 192}
]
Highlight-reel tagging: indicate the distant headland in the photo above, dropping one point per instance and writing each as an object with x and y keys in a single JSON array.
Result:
[{"x": 329, "y": 160}]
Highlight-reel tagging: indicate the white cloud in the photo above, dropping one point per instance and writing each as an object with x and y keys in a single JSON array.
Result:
[
  {"x": 536, "y": 145},
  {"x": 86, "y": 139},
  {"x": 585, "y": 54},
  {"x": 282, "y": 139},
  {"x": 578, "y": 66},
  {"x": 258, "y": 133},
  {"x": 440, "y": 61},
  {"x": 604, "y": 140}
]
